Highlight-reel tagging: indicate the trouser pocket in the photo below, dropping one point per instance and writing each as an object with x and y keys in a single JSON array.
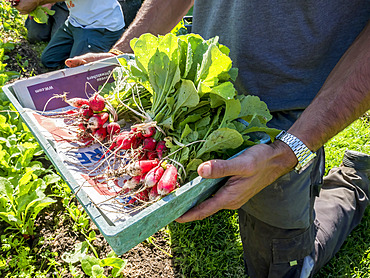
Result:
[
  {"x": 288, "y": 254},
  {"x": 271, "y": 251}
]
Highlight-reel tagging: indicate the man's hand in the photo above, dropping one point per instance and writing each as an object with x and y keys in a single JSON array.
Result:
[
  {"x": 250, "y": 172},
  {"x": 86, "y": 58}
]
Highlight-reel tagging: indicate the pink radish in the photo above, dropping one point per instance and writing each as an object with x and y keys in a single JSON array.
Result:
[
  {"x": 86, "y": 111},
  {"x": 98, "y": 120},
  {"x": 153, "y": 193},
  {"x": 141, "y": 167},
  {"x": 153, "y": 176},
  {"x": 124, "y": 140},
  {"x": 97, "y": 102},
  {"x": 84, "y": 137},
  {"x": 133, "y": 182},
  {"x": 143, "y": 196},
  {"x": 113, "y": 128},
  {"x": 100, "y": 134},
  {"x": 82, "y": 126},
  {"x": 161, "y": 148},
  {"x": 149, "y": 144},
  {"x": 168, "y": 181},
  {"x": 136, "y": 140},
  {"x": 77, "y": 102}
]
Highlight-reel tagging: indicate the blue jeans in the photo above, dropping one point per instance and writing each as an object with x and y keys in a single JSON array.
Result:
[
  {"x": 37, "y": 32},
  {"x": 70, "y": 41}
]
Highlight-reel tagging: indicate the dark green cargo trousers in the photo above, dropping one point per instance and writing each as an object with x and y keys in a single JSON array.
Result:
[{"x": 296, "y": 225}]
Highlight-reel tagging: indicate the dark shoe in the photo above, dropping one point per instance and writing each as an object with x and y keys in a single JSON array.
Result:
[{"x": 357, "y": 160}]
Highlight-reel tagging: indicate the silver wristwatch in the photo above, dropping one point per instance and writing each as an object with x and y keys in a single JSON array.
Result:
[{"x": 304, "y": 155}]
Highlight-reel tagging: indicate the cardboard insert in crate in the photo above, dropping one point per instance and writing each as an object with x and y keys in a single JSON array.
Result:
[{"x": 122, "y": 227}]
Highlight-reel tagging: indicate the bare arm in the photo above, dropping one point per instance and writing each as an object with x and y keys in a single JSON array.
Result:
[
  {"x": 156, "y": 17},
  {"x": 27, "y": 6},
  {"x": 343, "y": 98}
]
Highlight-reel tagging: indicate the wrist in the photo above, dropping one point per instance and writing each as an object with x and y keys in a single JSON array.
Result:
[
  {"x": 284, "y": 156},
  {"x": 304, "y": 155}
]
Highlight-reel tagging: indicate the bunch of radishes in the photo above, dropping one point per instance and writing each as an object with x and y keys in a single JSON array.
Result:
[
  {"x": 94, "y": 120},
  {"x": 151, "y": 180},
  {"x": 152, "y": 177}
]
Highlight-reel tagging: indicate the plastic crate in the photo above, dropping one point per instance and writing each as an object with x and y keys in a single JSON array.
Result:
[{"x": 126, "y": 235}]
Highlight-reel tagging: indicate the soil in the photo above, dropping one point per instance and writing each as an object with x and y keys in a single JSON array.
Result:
[
  {"x": 24, "y": 60},
  {"x": 54, "y": 231}
]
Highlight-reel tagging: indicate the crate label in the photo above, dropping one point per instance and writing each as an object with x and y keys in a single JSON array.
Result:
[{"x": 84, "y": 84}]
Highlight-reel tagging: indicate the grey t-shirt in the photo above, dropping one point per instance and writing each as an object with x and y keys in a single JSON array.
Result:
[{"x": 284, "y": 49}]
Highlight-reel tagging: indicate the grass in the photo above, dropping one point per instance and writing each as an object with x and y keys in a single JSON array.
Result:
[
  {"x": 209, "y": 248},
  {"x": 212, "y": 247},
  {"x": 353, "y": 260}
]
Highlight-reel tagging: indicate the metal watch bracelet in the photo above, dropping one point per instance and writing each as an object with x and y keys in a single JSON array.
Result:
[{"x": 304, "y": 155}]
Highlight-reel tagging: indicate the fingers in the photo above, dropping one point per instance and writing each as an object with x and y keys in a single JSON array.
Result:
[
  {"x": 214, "y": 169},
  {"x": 75, "y": 62},
  {"x": 227, "y": 197},
  {"x": 203, "y": 210},
  {"x": 86, "y": 58}
]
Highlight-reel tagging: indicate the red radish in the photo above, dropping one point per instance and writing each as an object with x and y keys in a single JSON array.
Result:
[
  {"x": 161, "y": 148},
  {"x": 149, "y": 144},
  {"x": 105, "y": 124},
  {"x": 124, "y": 140},
  {"x": 82, "y": 126},
  {"x": 71, "y": 112},
  {"x": 98, "y": 120},
  {"x": 97, "y": 102},
  {"x": 86, "y": 111},
  {"x": 142, "y": 156},
  {"x": 84, "y": 137},
  {"x": 143, "y": 196},
  {"x": 141, "y": 167},
  {"x": 100, "y": 134},
  {"x": 148, "y": 132},
  {"x": 77, "y": 102},
  {"x": 113, "y": 128},
  {"x": 136, "y": 140},
  {"x": 153, "y": 193},
  {"x": 168, "y": 181},
  {"x": 133, "y": 182},
  {"x": 153, "y": 176},
  {"x": 151, "y": 155}
]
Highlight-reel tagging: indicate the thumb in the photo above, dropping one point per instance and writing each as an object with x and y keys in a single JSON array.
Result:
[{"x": 214, "y": 169}]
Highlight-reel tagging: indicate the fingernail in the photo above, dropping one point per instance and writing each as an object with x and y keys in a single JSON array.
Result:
[{"x": 206, "y": 170}]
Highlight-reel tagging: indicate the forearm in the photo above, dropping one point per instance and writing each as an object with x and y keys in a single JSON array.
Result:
[
  {"x": 156, "y": 17},
  {"x": 27, "y": 6},
  {"x": 344, "y": 96}
]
